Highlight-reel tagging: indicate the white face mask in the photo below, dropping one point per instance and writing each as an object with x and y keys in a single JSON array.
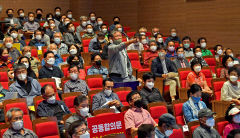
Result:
[
  {"x": 14, "y": 35},
  {"x": 120, "y": 29},
  {"x": 9, "y": 45},
  {"x": 31, "y": 18},
  {"x": 144, "y": 41},
  {"x": 236, "y": 118},
  {"x": 84, "y": 24},
  {"x": 111, "y": 41},
  {"x": 231, "y": 55},
  {"x": 51, "y": 100},
  {"x": 160, "y": 40},
  {"x": 93, "y": 18},
  {"x": 69, "y": 15},
  {"x": 38, "y": 37},
  {"x": 197, "y": 69},
  {"x": 72, "y": 29},
  {"x": 150, "y": 85},
  {"x": 233, "y": 78},
  {"x": 210, "y": 122},
  {"x": 84, "y": 111},
  {"x": 20, "y": 35},
  {"x": 89, "y": 30},
  {"x": 51, "y": 61},
  {"x": 199, "y": 54},
  {"x": 52, "y": 25},
  {"x": 100, "y": 22},
  {"x": 174, "y": 34},
  {"x": 28, "y": 54},
  {"x": 26, "y": 64},
  {"x": 219, "y": 52},
  {"x": 22, "y": 76},
  {"x": 153, "y": 48},
  {"x": 108, "y": 92},
  {"x": 230, "y": 64},
  {"x": 17, "y": 125},
  {"x": 203, "y": 45},
  {"x": 142, "y": 33},
  {"x": 73, "y": 76},
  {"x": 85, "y": 135},
  {"x": 21, "y": 15},
  {"x": 101, "y": 41},
  {"x": 58, "y": 13},
  {"x": 73, "y": 51},
  {"x": 171, "y": 48},
  {"x": 168, "y": 132},
  {"x": 54, "y": 52},
  {"x": 104, "y": 30}
]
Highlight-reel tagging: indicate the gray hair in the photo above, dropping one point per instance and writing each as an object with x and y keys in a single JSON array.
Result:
[
  {"x": 115, "y": 31},
  {"x": 50, "y": 45},
  {"x": 4, "y": 39},
  {"x": 9, "y": 112},
  {"x": 83, "y": 17},
  {"x": 19, "y": 66}
]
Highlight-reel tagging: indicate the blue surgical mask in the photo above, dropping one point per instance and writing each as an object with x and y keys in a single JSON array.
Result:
[
  {"x": 196, "y": 99},
  {"x": 186, "y": 45},
  {"x": 210, "y": 122},
  {"x": 180, "y": 55}
]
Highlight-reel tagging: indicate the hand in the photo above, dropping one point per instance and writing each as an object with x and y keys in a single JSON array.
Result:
[
  {"x": 100, "y": 51},
  {"x": 10, "y": 74},
  {"x": 61, "y": 122},
  {"x": 116, "y": 103},
  {"x": 164, "y": 76},
  {"x": 59, "y": 89}
]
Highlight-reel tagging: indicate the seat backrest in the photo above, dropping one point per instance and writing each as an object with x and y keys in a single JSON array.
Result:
[
  {"x": 208, "y": 75},
  {"x": 68, "y": 99},
  {"x": 3, "y": 128},
  {"x": 220, "y": 126},
  {"x": 177, "y": 133},
  {"x": 34, "y": 52},
  {"x": 217, "y": 86},
  {"x": 218, "y": 71},
  {"x": 131, "y": 34},
  {"x": 134, "y": 58},
  {"x": 156, "y": 109},
  {"x": 4, "y": 76},
  {"x": 18, "y": 103},
  {"x": 183, "y": 73},
  {"x": 211, "y": 61},
  {"x": 94, "y": 81},
  {"x": 41, "y": 124},
  {"x": 122, "y": 93},
  {"x": 85, "y": 42}
]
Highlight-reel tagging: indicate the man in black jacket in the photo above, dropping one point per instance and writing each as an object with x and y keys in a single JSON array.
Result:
[{"x": 164, "y": 67}]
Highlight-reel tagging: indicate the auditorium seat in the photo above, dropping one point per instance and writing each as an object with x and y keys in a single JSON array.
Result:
[
  {"x": 122, "y": 93},
  {"x": 156, "y": 109},
  {"x": 183, "y": 73},
  {"x": 217, "y": 86},
  {"x": 68, "y": 99}
]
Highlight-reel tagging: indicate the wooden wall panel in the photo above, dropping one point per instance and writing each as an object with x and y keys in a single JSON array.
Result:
[{"x": 80, "y": 7}]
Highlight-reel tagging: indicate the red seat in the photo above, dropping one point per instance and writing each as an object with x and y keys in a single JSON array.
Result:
[
  {"x": 76, "y": 24},
  {"x": 135, "y": 61},
  {"x": 122, "y": 96},
  {"x": 217, "y": 86},
  {"x": 41, "y": 24},
  {"x": 94, "y": 82},
  {"x": 192, "y": 45},
  {"x": 127, "y": 28},
  {"x": 221, "y": 126},
  {"x": 218, "y": 72},
  {"x": 212, "y": 51},
  {"x": 4, "y": 85},
  {"x": 68, "y": 99},
  {"x": 177, "y": 133},
  {"x": 42, "y": 123},
  {"x": 164, "y": 38},
  {"x": 131, "y": 34},
  {"x": 177, "y": 45},
  {"x": 3, "y": 128},
  {"x": 124, "y": 39},
  {"x": 148, "y": 34},
  {"x": 157, "y": 111},
  {"x": 86, "y": 68},
  {"x": 179, "y": 113},
  {"x": 193, "y": 128},
  {"x": 211, "y": 63},
  {"x": 85, "y": 44},
  {"x": 208, "y": 75},
  {"x": 183, "y": 77},
  {"x": 34, "y": 52},
  {"x": 4, "y": 79}
]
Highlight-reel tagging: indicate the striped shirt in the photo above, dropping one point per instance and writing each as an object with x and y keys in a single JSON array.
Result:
[{"x": 76, "y": 86}]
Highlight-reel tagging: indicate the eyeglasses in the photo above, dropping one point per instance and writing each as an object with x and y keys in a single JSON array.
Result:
[
  {"x": 18, "y": 118},
  {"x": 82, "y": 131}
]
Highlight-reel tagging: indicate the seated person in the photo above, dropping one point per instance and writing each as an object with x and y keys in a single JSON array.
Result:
[
  {"x": 186, "y": 44},
  {"x": 49, "y": 70},
  {"x": 146, "y": 131},
  {"x": 171, "y": 53},
  {"x": 218, "y": 49},
  {"x": 164, "y": 67},
  {"x": 31, "y": 25},
  {"x": 136, "y": 115},
  {"x": 21, "y": 16},
  {"x": 231, "y": 88},
  {"x": 26, "y": 61},
  {"x": 107, "y": 98},
  {"x": 92, "y": 19},
  {"x": 148, "y": 93},
  {"x": 227, "y": 62},
  {"x": 173, "y": 37},
  {"x": 75, "y": 84},
  {"x": 142, "y": 31},
  {"x": 13, "y": 52},
  {"x": 26, "y": 51},
  {"x": 13, "y": 22},
  {"x": 52, "y": 107},
  {"x": 116, "y": 20},
  {"x": 151, "y": 53},
  {"x": 78, "y": 129},
  {"x": 52, "y": 28},
  {"x": 82, "y": 26},
  {"x": 5, "y": 60},
  {"x": 159, "y": 39},
  {"x": 197, "y": 77},
  {"x": 99, "y": 23},
  {"x": 58, "y": 59},
  {"x": 203, "y": 43},
  {"x": 39, "y": 17},
  {"x": 206, "y": 129},
  {"x": 194, "y": 104},
  {"x": 181, "y": 61},
  {"x": 90, "y": 33},
  {"x": 75, "y": 60},
  {"x": 38, "y": 41},
  {"x": 70, "y": 37},
  {"x": 82, "y": 110},
  {"x": 105, "y": 47},
  {"x": 69, "y": 15},
  {"x": 144, "y": 41},
  {"x": 198, "y": 56},
  {"x": 62, "y": 24},
  {"x": 136, "y": 46},
  {"x": 120, "y": 29},
  {"x": 97, "y": 67},
  {"x": 232, "y": 115},
  {"x": 97, "y": 43},
  {"x": 155, "y": 31},
  {"x": 16, "y": 128},
  {"x": 25, "y": 86},
  {"x": 45, "y": 37},
  {"x": 166, "y": 124},
  {"x": 14, "y": 35},
  {"x": 62, "y": 47},
  {"x": 103, "y": 29},
  {"x": 229, "y": 52}
]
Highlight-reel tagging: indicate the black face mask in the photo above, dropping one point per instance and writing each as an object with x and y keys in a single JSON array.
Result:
[
  {"x": 75, "y": 62},
  {"x": 98, "y": 63},
  {"x": 138, "y": 103},
  {"x": 116, "y": 22},
  {"x": 39, "y": 16},
  {"x": 10, "y": 15}
]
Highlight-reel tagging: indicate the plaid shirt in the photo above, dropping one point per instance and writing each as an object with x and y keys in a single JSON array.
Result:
[
  {"x": 76, "y": 86},
  {"x": 63, "y": 49}
]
